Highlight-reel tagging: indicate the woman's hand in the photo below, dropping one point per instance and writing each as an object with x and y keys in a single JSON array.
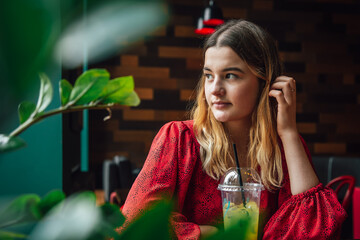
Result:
[
  {"x": 284, "y": 90},
  {"x": 207, "y": 231}
]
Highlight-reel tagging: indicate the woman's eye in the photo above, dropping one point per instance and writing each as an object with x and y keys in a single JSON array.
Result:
[
  {"x": 231, "y": 76},
  {"x": 208, "y": 76}
]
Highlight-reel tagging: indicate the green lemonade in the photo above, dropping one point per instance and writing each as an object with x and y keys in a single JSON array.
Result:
[{"x": 246, "y": 217}]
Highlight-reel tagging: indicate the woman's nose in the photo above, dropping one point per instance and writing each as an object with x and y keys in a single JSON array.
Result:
[{"x": 217, "y": 88}]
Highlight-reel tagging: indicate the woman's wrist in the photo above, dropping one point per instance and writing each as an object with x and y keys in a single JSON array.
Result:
[{"x": 291, "y": 134}]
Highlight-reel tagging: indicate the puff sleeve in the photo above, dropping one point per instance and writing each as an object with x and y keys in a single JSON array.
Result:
[{"x": 314, "y": 214}]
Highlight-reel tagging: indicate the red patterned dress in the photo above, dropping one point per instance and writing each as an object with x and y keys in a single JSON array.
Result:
[{"x": 173, "y": 167}]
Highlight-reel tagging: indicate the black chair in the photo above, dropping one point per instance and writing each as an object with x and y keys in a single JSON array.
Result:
[
  {"x": 118, "y": 176},
  {"x": 330, "y": 167},
  {"x": 321, "y": 165},
  {"x": 339, "y": 166}
]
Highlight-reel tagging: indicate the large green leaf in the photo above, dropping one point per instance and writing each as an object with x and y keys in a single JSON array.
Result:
[
  {"x": 22, "y": 209},
  {"x": 112, "y": 215},
  {"x": 28, "y": 32},
  {"x": 5, "y": 235},
  {"x": 87, "y": 195},
  {"x": 239, "y": 231},
  {"x": 49, "y": 201},
  {"x": 111, "y": 218},
  {"x": 89, "y": 86},
  {"x": 46, "y": 93},
  {"x": 154, "y": 224},
  {"x": 65, "y": 89},
  {"x": 25, "y": 110},
  {"x": 77, "y": 217},
  {"x": 10, "y": 143},
  {"x": 117, "y": 90}
]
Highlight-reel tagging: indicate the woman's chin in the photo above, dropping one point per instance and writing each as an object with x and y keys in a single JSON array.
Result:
[{"x": 222, "y": 119}]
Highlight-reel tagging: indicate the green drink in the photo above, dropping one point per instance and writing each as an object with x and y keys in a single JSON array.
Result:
[
  {"x": 237, "y": 213},
  {"x": 246, "y": 218}
]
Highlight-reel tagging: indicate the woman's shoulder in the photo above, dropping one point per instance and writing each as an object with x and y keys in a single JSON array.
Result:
[
  {"x": 180, "y": 125},
  {"x": 179, "y": 128}
]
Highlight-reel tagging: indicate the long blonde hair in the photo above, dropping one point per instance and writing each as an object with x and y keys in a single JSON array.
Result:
[{"x": 258, "y": 50}]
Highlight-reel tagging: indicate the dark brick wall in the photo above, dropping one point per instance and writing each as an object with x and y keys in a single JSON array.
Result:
[{"x": 319, "y": 43}]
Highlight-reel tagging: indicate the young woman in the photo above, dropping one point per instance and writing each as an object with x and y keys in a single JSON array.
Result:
[{"x": 242, "y": 99}]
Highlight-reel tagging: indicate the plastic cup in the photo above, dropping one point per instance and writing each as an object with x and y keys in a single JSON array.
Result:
[{"x": 235, "y": 212}]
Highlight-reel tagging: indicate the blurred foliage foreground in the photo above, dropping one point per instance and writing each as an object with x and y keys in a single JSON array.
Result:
[
  {"x": 45, "y": 36},
  {"x": 78, "y": 218}
]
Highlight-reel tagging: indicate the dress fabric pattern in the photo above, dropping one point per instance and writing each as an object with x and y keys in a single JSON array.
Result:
[{"x": 173, "y": 170}]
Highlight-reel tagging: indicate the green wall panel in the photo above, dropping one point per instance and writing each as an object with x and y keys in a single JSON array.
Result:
[{"x": 37, "y": 168}]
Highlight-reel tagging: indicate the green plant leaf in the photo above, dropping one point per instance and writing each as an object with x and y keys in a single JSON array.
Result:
[
  {"x": 117, "y": 90},
  {"x": 87, "y": 195},
  {"x": 112, "y": 215},
  {"x": 10, "y": 143},
  {"x": 45, "y": 95},
  {"x": 77, "y": 217},
  {"x": 65, "y": 89},
  {"x": 5, "y": 235},
  {"x": 49, "y": 201},
  {"x": 25, "y": 110},
  {"x": 132, "y": 100},
  {"x": 240, "y": 231},
  {"x": 89, "y": 86},
  {"x": 121, "y": 89},
  {"x": 20, "y": 210},
  {"x": 110, "y": 218},
  {"x": 154, "y": 224}
]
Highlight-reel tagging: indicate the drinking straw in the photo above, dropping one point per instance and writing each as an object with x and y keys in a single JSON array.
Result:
[{"x": 239, "y": 174}]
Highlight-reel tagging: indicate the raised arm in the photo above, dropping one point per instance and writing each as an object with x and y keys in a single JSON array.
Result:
[
  {"x": 310, "y": 211},
  {"x": 301, "y": 173}
]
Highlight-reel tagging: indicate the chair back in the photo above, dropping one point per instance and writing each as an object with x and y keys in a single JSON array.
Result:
[{"x": 341, "y": 182}]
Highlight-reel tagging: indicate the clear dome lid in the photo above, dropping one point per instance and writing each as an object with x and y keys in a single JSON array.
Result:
[{"x": 250, "y": 179}]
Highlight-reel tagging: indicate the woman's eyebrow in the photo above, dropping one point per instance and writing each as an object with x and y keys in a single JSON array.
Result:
[
  {"x": 226, "y": 69},
  {"x": 233, "y": 69}
]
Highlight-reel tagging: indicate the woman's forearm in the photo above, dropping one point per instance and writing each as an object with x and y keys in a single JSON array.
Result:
[{"x": 301, "y": 173}]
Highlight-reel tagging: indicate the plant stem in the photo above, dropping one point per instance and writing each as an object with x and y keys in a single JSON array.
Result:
[
  {"x": 38, "y": 118},
  {"x": 10, "y": 223},
  {"x": 12, "y": 235}
]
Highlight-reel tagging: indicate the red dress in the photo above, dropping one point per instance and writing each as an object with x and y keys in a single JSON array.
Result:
[{"x": 173, "y": 167}]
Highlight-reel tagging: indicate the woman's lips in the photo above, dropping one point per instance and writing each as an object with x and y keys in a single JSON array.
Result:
[{"x": 221, "y": 105}]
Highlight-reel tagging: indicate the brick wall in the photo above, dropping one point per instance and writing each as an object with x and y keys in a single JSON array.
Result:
[{"x": 319, "y": 42}]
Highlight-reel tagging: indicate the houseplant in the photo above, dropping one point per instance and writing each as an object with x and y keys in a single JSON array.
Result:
[{"x": 92, "y": 90}]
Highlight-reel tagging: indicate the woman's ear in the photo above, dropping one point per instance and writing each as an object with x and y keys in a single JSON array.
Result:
[{"x": 262, "y": 83}]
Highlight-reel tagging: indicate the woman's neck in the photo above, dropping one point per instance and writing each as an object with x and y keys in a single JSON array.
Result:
[{"x": 239, "y": 134}]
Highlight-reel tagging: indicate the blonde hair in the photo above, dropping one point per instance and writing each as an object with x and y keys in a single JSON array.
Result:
[{"x": 259, "y": 51}]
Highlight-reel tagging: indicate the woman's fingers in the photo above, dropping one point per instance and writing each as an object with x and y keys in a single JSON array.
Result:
[
  {"x": 284, "y": 90},
  {"x": 285, "y": 85},
  {"x": 279, "y": 95}
]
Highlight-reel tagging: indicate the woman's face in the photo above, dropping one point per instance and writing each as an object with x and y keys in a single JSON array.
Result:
[{"x": 231, "y": 89}]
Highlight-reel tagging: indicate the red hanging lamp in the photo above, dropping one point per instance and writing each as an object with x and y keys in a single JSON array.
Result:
[
  {"x": 212, "y": 16},
  {"x": 202, "y": 29}
]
